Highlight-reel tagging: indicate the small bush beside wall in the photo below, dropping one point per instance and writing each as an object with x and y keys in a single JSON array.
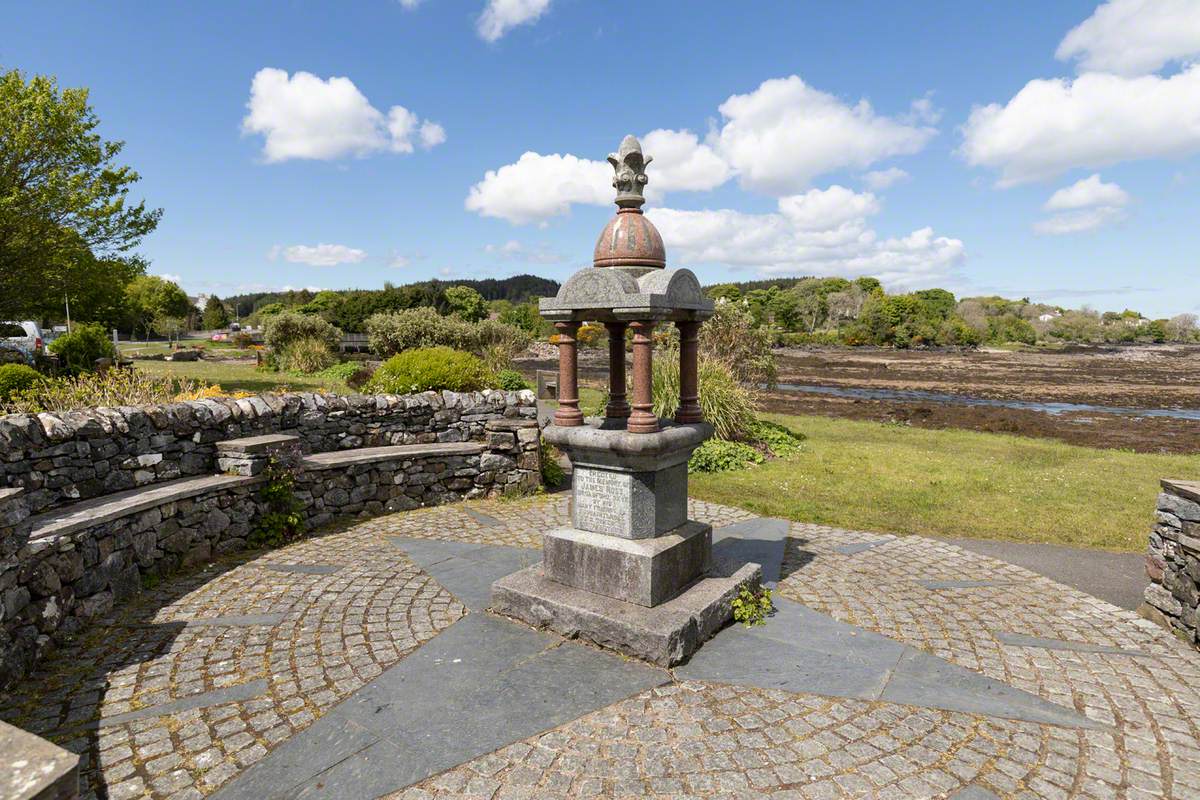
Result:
[
  {"x": 79, "y": 349},
  {"x": 431, "y": 369},
  {"x": 16, "y": 378}
]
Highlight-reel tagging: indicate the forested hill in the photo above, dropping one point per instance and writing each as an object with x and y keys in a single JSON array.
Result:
[{"x": 517, "y": 289}]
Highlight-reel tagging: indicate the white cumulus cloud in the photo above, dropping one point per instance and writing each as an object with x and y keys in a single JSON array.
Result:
[
  {"x": 785, "y": 133},
  {"x": 883, "y": 178},
  {"x": 822, "y": 232},
  {"x": 319, "y": 255},
  {"x": 1078, "y": 221},
  {"x": 1090, "y": 191},
  {"x": 1051, "y": 126},
  {"x": 1085, "y": 205},
  {"x": 1134, "y": 37},
  {"x": 513, "y": 250},
  {"x": 537, "y": 187},
  {"x": 682, "y": 162},
  {"x": 304, "y": 116},
  {"x": 501, "y": 16}
]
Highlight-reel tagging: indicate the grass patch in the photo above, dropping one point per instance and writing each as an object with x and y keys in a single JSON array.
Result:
[
  {"x": 891, "y": 478},
  {"x": 244, "y": 377}
]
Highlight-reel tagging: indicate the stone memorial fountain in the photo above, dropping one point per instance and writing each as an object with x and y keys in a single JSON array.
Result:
[{"x": 633, "y": 572}]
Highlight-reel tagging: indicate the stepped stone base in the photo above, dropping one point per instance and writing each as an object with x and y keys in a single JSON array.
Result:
[
  {"x": 642, "y": 571},
  {"x": 665, "y": 635}
]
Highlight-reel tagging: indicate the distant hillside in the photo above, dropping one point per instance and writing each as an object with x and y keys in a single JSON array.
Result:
[{"x": 517, "y": 289}]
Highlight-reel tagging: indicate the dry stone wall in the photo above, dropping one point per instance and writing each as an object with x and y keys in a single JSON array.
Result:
[
  {"x": 69, "y": 564},
  {"x": 61, "y": 458},
  {"x": 1173, "y": 561}
]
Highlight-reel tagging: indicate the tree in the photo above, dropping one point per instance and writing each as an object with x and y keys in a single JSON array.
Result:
[
  {"x": 215, "y": 315},
  {"x": 466, "y": 303},
  {"x": 150, "y": 297},
  {"x": 66, "y": 222}
]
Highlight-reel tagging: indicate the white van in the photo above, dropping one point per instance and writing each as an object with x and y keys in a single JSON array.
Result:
[{"x": 24, "y": 336}]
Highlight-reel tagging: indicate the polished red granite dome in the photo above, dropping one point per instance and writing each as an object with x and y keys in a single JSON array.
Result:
[{"x": 630, "y": 240}]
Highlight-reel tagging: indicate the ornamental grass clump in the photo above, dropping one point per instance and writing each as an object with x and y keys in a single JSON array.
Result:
[
  {"x": 110, "y": 388},
  {"x": 727, "y": 405},
  {"x": 307, "y": 355}
]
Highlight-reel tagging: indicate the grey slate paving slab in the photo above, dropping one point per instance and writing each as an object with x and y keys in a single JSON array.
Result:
[
  {"x": 857, "y": 547},
  {"x": 973, "y": 792},
  {"x": 801, "y": 650},
  {"x": 234, "y": 620},
  {"x": 304, "y": 569},
  {"x": 466, "y": 570},
  {"x": 760, "y": 541},
  {"x": 478, "y": 686},
  {"x": 241, "y": 691},
  {"x": 1023, "y": 640},
  {"x": 482, "y": 518},
  {"x": 961, "y": 584}
]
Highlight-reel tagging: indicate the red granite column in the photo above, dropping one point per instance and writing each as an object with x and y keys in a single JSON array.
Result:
[
  {"x": 642, "y": 420},
  {"x": 689, "y": 376},
  {"x": 568, "y": 414},
  {"x": 617, "y": 407}
]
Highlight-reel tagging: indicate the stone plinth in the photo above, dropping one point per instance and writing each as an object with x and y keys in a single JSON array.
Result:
[
  {"x": 642, "y": 571},
  {"x": 633, "y": 573},
  {"x": 666, "y": 634}
]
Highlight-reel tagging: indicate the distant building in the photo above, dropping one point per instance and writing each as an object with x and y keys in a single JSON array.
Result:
[{"x": 1050, "y": 316}]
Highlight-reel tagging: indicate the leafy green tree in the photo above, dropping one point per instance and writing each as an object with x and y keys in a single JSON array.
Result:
[
  {"x": 939, "y": 303},
  {"x": 466, "y": 303},
  {"x": 524, "y": 316},
  {"x": 150, "y": 297},
  {"x": 725, "y": 291},
  {"x": 215, "y": 315},
  {"x": 869, "y": 285},
  {"x": 66, "y": 221}
]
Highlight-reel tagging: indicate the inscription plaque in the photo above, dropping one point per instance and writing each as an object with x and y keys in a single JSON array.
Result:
[{"x": 603, "y": 501}]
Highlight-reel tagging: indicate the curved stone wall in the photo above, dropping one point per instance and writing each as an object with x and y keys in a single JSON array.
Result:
[{"x": 70, "y": 548}]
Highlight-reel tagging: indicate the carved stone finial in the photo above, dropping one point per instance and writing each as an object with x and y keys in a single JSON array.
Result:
[{"x": 630, "y": 167}]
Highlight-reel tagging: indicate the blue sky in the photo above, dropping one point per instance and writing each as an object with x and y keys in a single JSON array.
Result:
[{"x": 1024, "y": 148}]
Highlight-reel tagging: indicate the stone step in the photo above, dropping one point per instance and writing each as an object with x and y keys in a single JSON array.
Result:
[
  {"x": 98, "y": 510},
  {"x": 370, "y": 455}
]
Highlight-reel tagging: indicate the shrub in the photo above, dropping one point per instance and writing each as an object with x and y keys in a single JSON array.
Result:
[
  {"x": 113, "y": 387},
  {"x": 16, "y": 378},
  {"x": 511, "y": 381},
  {"x": 306, "y": 355},
  {"x": 431, "y": 369},
  {"x": 286, "y": 327},
  {"x": 411, "y": 328},
  {"x": 777, "y": 439},
  {"x": 719, "y": 455},
  {"x": 592, "y": 334},
  {"x": 731, "y": 337},
  {"x": 552, "y": 472},
  {"x": 79, "y": 349},
  {"x": 340, "y": 372},
  {"x": 726, "y": 405},
  {"x": 388, "y": 334}
]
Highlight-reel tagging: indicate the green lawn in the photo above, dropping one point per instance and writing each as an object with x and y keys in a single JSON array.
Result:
[
  {"x": 883, "y": 477},
  {"x": 238, "y": 376}
]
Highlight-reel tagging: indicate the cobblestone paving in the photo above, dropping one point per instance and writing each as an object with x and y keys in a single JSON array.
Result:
[
  {"x": 1152, "y": 701},
  {"x": 340, "y": 629},
  {"x": 704, "y": 740}
]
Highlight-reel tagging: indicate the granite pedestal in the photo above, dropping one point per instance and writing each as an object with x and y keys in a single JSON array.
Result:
[{"x": 634, "y": 573}]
